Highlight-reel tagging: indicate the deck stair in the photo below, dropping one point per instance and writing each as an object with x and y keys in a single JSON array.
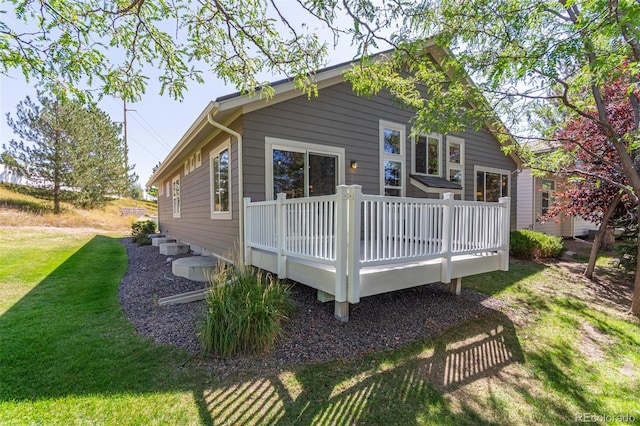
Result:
[
  {"x": 162, "y": 240},
  {"x": 195, "y": 268},
  {"x": 171, "y": 249}
]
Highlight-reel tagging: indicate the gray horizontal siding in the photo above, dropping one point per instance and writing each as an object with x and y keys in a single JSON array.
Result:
[
  {"x": 338, "y": 117},
  {"x": 195, "y": 226}
]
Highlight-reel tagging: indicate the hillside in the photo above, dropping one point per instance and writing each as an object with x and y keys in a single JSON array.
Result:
[{"x": 25, "y": 206}]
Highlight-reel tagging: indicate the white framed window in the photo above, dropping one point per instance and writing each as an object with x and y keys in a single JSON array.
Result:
[
  {"x": 301, "y": 169},
  {"x": 160, "y": 190},
  {"x": 186, "y": 167},
  {"x": 168, "y": 190},
  {"x": 175, "y": 192},
  {"x": 198, "y": 158},
  {"x": 548, "y": 187},
  {"x": 220, "y": 181},
  {"x": 491, "y": 184},
  {"x": 192, "y": 163},
  {"x": 427, "y": 155},
  {"x": 455, "y": 160},
  {"x": 392, "y": 146}
]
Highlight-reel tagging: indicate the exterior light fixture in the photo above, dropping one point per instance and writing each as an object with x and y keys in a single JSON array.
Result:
[{"x": 354, "y": 164}]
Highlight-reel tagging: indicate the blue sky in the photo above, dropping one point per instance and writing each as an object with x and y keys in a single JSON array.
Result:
[{"x": 158, "y": 122}]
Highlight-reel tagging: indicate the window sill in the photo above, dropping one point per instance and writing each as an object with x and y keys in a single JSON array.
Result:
[{"x": 221, "y": 216}]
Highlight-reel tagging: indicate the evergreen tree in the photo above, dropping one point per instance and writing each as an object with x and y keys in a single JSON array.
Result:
[{"x": 68, "y": 144}]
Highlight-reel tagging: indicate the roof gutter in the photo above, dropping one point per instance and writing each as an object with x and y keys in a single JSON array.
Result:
[{"x": 238, "y": 137}]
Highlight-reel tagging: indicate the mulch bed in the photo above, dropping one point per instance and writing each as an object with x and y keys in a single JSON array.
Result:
[{"x": 377, "y": 323}]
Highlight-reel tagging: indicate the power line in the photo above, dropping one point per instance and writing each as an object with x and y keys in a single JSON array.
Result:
[
  {"x": 149, "y": 128},
  {"x": 145, "y": 148}
]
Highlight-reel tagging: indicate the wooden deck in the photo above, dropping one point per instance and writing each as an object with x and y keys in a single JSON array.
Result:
[{"x": 351, "y": 245}]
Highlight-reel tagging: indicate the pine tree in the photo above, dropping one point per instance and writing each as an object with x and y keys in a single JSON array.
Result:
[{"x": 66, "y": 144}]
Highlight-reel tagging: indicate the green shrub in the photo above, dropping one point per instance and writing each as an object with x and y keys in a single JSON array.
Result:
[
  {"x": 525, "y": 244},
  {"x": 244, "y": 312},
  {"x": 140, "y": 230}
]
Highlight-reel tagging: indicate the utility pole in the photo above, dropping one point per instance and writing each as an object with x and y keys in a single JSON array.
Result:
[{"x": 126, "y": 146}]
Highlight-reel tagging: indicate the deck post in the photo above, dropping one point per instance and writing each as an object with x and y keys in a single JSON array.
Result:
[
  {"x": 342, "y": 222},
  {"x": 506, "y": 228},
  {"x": 247, "y": 231},
  {"x": 341, "y": 311},
  {"x": 447, "y": 236},
  {"x": 455, "y": 286},
  {"x": 280, "y": 235},
  {"x": 353, "y": 247}
]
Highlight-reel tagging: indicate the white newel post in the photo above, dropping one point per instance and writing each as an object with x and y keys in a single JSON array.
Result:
[
  {"x": 447, "y": 235},
  {"x": 281, "y": 226},
  {"x": 247, "y": 230},
  {"x": 506, "y": 228},
  {"x": 353, "y": 256},
  {"x": 341, "y": 311}
]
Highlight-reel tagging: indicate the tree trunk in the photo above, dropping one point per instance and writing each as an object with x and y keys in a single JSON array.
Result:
[
  {"x": 635, "y": 303},
  {"x": 56, "y": 198},
  {"x": 597, "y": 241}
]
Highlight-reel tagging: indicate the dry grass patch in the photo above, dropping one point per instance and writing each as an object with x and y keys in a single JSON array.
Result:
[{"x": 20, "y": 209}]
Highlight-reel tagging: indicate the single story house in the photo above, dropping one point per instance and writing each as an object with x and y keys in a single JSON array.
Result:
[{"x": 242, "y": 147}]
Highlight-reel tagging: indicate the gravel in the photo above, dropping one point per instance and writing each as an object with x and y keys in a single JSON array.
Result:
[{"x": 386, "y": 321}]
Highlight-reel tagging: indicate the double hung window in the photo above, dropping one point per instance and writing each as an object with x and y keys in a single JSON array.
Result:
[
  {"x": 392, "y": 145},
  {"x": 220, "y": 173}
]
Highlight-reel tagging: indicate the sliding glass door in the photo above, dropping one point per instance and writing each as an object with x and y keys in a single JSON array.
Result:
[{"x": 302, "y": 173}]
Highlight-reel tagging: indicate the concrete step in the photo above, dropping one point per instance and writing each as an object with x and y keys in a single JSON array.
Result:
[
  {"x": 152, "y": 236},
  {"x": 171, "y": 249},
  {"x": 195, "y": 268},
  {"x": 162, "y": 240}
]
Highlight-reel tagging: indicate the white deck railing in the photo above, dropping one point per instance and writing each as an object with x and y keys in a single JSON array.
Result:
[{"x": 350, "y": 230}]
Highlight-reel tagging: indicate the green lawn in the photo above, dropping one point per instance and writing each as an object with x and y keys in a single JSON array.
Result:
[{"x": 68, "y": 355}]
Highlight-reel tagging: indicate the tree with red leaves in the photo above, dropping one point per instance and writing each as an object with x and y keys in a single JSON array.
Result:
[{"x": 596, "y": 186}]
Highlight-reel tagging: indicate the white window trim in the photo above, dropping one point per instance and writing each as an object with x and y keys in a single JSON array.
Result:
[
  {"x": 173, "y": 209},
  {"x": 296, "y": 146},
  {"x": 212, "y": 155},
  {"x": 168, "y": 189},
  {"x": 392, "y": 157},
  {"x": 542, "y": 191},
  {"x": 450, "y": 165},
  {"x": 477, "y": 169},
  {"x": 192, "y": 163},
  {"x": 413, "y": 154},
  {"x": 198, "y": 158},
  {"x": 186, "y": 167}
]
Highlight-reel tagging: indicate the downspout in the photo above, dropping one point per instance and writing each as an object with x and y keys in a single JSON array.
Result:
[{"x": 238, "y": 137}]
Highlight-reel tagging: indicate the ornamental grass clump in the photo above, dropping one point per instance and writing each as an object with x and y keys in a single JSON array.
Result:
[{"x": 245, "y": 310}]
